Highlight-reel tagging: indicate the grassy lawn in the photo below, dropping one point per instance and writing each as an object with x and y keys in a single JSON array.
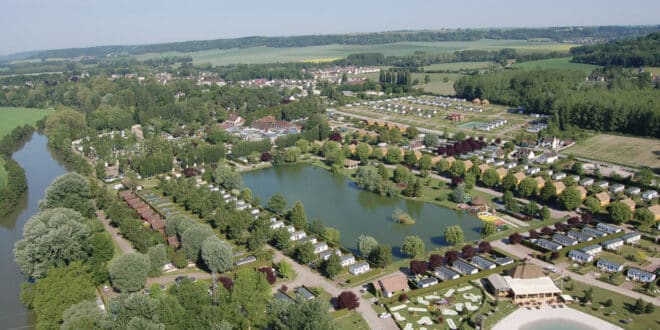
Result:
[
  {"x": 556, "y": 63},
  {"x": 11, "y": 117},
  {"x": 621, "y": 306},
  {"x": 459, "y": 66},
  {"x": 441, "y": 83},
  {"x": 345, "y": 319},
  {"x": 631, "y": 151}
]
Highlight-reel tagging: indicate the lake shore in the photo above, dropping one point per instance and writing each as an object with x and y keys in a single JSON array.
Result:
[{"x": 522, "y": 318}]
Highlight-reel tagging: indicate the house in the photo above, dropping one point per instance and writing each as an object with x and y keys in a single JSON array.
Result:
[
  {"x": 325, "y": 255},
  {"x": 465, "y": 268},
  {"x": 559, "y": 176},
  {"x": 455, "y": 116},
  {"x": 552, "y": 246},
  {"x": 320, "y": 247},
  {"x": 359, "y": 268},
  {"x": 564, "y": 240},
  {"x": 612, "y": 244},
  {"x": 504, "y": 261},
  {"x": 593, "y": 249},
  {"x": 426, "y": 282},
  {"x": 548, "y": 157},
  {"x": 633, "y": 191},
  {"x": 630, "y": 203},
  {"x": 650, "y": 195},
  {"x": 304, "y": 293},
  {"x": 392, "y": 284},
  {"x": 608, "y": 266},
  {"x": 540, "y": 182},
  {"x": 593, "y": 232},
  {"x": 631, "y": 238},
  {"x": 551, "y": 142},
  {"x": 603, "y": 198},
  {"x": 173, "y": 241},
  {"x": 617, "y": 188},
  {"x": 498, "y": 285},
  {"x": 296, "y": 235},
  {"x": 277, "y": 225},
  {"x": 639, "y": 275},
  {"x": 533, "y": 170},
  {"x": 482, "y": 263},
  {"x": 655, "y": 209},
  {"x": 347, "y": 260},
  {"x": 510, "y": 165},
  {"x": 583, "y": 192},
  {"x": 519, "y": 177},
  {"x": 602, "y": 184},
  {"x": 580, "y": 237},
  {"x": 445, "y": 273},
  {"x": 351, "y": 164},
  {"x": 580, "y": 256},
  {"x": 501, "y": 172},
  {"x": 610, "y": 229},
  {"x": 586, "y": 182},
  {"x": 245, "y": 260}
]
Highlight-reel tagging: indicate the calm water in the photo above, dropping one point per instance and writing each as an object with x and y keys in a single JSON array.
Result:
[
  {"x": 41, "y": 168},
  {"x": 556, "y": 324},
  {"x": 341, "y": 205}
]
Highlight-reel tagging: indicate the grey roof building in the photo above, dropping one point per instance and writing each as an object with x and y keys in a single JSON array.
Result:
[
  {"x": 552, "y": 246},
  {"x": 581, "y": 237},
  {"x": 464, "y": 267},
  {"x": 564, "y": 240},
  {"x": 593, "y": 232},
  {"x": 445, "y": 273},
  {"x": 608, "y": 266},
  {"x": 482, "y": 263}
]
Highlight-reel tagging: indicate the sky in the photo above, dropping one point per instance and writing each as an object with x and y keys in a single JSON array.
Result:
[{"x": 52, "y": 24}]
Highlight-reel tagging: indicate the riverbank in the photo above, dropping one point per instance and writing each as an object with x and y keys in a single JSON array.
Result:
[{"x": 525, "y": 319}]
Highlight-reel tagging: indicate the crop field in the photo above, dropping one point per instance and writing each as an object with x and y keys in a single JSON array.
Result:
[
  {"x": 255, "y": 55},
  {"x": 556, "y": 63},
  {"x": 459, "y": 66},
  {"x": 631, "y": 151},
  {"x": 11, "y": 118}
]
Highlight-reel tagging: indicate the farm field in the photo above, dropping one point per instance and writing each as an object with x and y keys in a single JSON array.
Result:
[
  {"x": 556, "y": 63},
  {"x": 459, "y": 66},
  {"x": 624, "y": 150},
  {"x": 11, "y": 117},
  {"x": 255, "y": 55}
]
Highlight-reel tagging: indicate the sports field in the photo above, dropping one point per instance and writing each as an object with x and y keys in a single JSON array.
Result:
[
  {"x": 254, "y": 55},
  {"x": 631, "y": 151},
  {"x": 11, "y": 118},
  {"x": 556, "y": 63}
]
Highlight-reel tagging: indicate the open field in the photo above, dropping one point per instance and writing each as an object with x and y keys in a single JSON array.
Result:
[
  {"x": 441, "y": 83},
  {"x": 459, "y": 66},
  {"x": 631, "y": 151},
  {"x": 11, "y": 118},
  {"x": 654, "y": 70},
  {"x": 556, "y": 63},
  {"x": 253, "y": 55},
  {"x": 349, "y": 320}
]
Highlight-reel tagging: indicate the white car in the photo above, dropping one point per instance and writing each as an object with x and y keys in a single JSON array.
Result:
[
  {"x": 385, "y": 315},
  {"x": 550, "y": 268},
  {"x": 106, "y": 288}
]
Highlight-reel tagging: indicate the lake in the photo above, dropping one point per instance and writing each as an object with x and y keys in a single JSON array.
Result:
[
  {"x": 341, "y": 205},
  {"x": 41, "y": 167}
]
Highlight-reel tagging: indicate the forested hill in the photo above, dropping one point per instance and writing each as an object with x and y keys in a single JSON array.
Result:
[
  {"x": 555, "y": 33},
  {"x": 642, "y": 51}
]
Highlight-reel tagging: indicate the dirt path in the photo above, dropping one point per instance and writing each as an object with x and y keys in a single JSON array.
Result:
[
  {"x": 590, "y": 279},
  {"x": 124, "y": 245}
]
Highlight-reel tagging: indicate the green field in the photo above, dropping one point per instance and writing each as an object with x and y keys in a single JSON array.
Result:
[
  {"x": 11, "y": 118},
  {"x": 253, "y": 55},
  {"x": 438, "y": 84},
  {"x": 556, "y": 63},
  {"x": 625, "y": 150},
  {"x": 459, "y": 66}
]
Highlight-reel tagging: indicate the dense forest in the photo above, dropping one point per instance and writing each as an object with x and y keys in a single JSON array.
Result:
[
  {"x": 627, "y": 103},
  {"x": 555, "y": 33},
  {"x": 642, "y": 51}
]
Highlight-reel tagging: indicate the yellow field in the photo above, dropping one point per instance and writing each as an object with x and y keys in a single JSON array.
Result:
[
  {"x": 322, "y": 60},
  {"x": 631, "y": 151}
]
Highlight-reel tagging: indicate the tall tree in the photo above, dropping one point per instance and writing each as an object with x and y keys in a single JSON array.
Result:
[
  {"x": 365, "y": 244},
  {"x": 297, "y": 215},
  {"x": 277, "y": 203},
  {"x": 217, "y": 255},
  {"x": 454, "y": 235},
  {"x": 413, "y": 246},
  {"x": 71, "y": 191},
  {"x": 192, "y": 238},
  {"x": 128, "y": 272}
]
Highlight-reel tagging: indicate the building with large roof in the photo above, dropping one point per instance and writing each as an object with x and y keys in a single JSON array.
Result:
[{"x": 528, "y": 283}]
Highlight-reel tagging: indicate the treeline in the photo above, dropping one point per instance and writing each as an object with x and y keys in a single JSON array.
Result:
[
  {"x": 264, "y": 71},
  {"x": 642, "y": 51},
  {"x": 626, "y": 105},
  {"x": 16, "y": 182},
  {"x": 245, "y": 148},
  {"x": 553, "y": 33}
]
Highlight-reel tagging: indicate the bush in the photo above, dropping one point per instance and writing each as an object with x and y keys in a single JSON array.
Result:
[{"x": 403, "y": 297}]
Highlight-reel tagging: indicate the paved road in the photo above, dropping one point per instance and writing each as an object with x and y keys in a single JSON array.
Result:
[
  {"x": 308, "y": 278},
  {"x": 521, "y": 251},
  {"x": 124, "y": 245}
]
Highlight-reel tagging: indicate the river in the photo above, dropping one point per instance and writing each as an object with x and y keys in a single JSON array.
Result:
[
  {"x": 341, "y": 205},
  {"x": 41, "y": 167}
]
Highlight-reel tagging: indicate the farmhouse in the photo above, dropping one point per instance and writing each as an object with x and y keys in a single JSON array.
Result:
[
  {"x": 359, "y": 268},
  {"x": 498, "y": 285},
  {"x": 608, "y": 228},
  {"x": 612, "y": 244},
  {"x": 580, "y": 256},
  {"x": 581, "y": 237},
  {"x": 608, "y": 266},
  {"x": 564, "y": 240},
  {"x": 592, "y": 249},
  {"x": 465, "y": 268},
  {"x": 347, "y": 260},
  {"x": 552, "y": 246},
  {"x": 445, "y": 273},
  {"x": 593, "y": 232},
  {"x": 391, "y": 285},
  {"x": 528, "y": 283},
  {"x": 603, "y": 198},
  {"x": 482, "y": 263},
  {"x": 631, "y": 238},
  {"x": 639, "y": 275},
  {"x": 426, "y": 282}
]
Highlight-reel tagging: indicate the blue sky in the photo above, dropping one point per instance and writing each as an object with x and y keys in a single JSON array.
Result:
[{"x": 49, "y": 24}]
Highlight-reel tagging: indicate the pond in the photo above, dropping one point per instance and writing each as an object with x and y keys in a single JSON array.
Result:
[
  {"x": 341, "y": 205},
  {"x": 41, "y": 167}
]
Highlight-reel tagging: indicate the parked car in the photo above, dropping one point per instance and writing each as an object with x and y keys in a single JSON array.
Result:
[
  {"x": 550, "y": 268},
  {"x": 385, "y": 315}
]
